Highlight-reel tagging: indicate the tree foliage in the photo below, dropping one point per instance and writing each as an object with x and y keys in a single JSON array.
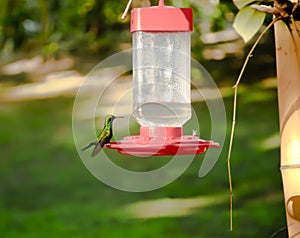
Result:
[
  {"x": 58, "y": 23},
  {"x": 76, "y": 25}
]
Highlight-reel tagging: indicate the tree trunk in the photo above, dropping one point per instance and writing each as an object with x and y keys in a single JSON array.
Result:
[{"x": 288, "y": 74}]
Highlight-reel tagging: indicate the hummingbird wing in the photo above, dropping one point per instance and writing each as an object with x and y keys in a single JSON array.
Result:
[
  {"x": 96, "y": 150},
  {"x": 99, "y": 146},
  {"x": 103, "y": 138},
  {"x": 89, "y": 145}
]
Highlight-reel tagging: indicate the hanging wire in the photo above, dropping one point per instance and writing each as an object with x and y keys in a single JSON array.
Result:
[
  {"x": 161, "y": 4},
  {"x": 126, "y": 9}
]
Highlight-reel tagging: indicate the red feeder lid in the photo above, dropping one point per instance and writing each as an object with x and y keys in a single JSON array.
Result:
[
  {"x": 159, "y": 141},
  {"x": 161, "y": 19}
]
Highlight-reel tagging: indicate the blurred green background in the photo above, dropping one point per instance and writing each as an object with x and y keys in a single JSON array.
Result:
[{"x": 47, "y": 47}]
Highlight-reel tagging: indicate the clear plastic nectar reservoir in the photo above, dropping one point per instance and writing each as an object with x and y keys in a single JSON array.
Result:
[
  {"x": 161, "y": 78},
  {"x": 161, "y": 66}
]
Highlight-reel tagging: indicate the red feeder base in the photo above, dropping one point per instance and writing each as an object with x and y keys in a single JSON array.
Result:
[{"x": 158, "y": 141}]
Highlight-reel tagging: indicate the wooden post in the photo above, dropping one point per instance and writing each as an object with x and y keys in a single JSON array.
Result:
[{"x": 288, "y": 74}]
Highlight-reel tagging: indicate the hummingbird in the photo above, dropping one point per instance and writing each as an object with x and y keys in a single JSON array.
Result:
[{"x": 104, "y": 136}]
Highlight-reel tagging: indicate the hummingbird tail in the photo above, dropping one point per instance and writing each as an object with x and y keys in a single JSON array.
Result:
[{"x": 89, "y": 145}]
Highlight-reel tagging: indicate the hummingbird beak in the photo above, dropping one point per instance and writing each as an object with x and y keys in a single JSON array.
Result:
[{"x": 114, "y": 117}]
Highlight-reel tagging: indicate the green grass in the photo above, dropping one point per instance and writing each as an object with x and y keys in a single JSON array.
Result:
[{"x": 46, "y": 191}]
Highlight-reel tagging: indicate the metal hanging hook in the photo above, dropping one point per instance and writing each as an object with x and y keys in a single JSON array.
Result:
[
  {"x": 161, "y": 4},
  {"x": 126, "y": 9}
]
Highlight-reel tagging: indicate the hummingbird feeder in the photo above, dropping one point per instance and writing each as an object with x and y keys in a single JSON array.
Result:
[{"x": 161, "y": 83}]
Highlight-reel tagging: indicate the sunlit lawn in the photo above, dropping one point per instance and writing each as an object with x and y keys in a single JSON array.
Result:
[{"x": 46, "y": 191}]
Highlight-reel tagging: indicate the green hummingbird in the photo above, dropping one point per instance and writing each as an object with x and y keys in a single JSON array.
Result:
[{"x": 104, "y": 136}]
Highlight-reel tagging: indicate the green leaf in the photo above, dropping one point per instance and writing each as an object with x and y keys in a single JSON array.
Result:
[
  {"x": 242, "y": 3},
  {"x": 248, "y": 21}
]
